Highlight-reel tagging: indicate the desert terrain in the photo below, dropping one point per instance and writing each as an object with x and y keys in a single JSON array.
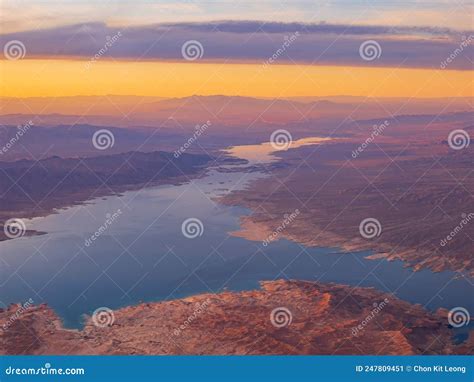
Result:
[
  {"x": 315, "y": 319},
  {"x": 408, "y": 178}
]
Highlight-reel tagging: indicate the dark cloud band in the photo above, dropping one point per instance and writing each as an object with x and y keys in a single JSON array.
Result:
[{"x": 319, "y": 44}]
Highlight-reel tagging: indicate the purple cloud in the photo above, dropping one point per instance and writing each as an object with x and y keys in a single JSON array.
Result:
[{"x": 320, "y": 44}]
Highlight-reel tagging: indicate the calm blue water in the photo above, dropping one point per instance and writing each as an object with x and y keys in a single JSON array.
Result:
[{"x": 143, "y": 256}]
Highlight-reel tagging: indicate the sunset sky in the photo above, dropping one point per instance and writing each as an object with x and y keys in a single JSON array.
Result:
[{"x": 136, "y": 48}]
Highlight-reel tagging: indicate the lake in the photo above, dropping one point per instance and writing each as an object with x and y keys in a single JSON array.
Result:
[{"x": 143, "y": 255}]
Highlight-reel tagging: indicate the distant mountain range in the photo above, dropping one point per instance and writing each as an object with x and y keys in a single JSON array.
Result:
[{"x": 231, "y": 111}]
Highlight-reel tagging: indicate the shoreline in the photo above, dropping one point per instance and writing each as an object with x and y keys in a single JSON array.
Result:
[
  {"x": 84, "y": 198},
  {"x": 320, "y": 318}
]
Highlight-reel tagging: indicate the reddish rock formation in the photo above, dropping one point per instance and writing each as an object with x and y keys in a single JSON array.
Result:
[
  {"x": 316, "y": 319},
  {"x": 419, "y": 192}
]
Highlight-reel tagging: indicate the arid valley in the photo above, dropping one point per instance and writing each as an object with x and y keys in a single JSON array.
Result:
[{"x": 275, "y": 227}]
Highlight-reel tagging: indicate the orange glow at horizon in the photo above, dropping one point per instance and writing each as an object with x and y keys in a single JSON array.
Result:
[{"x": 55, "y": 77}]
